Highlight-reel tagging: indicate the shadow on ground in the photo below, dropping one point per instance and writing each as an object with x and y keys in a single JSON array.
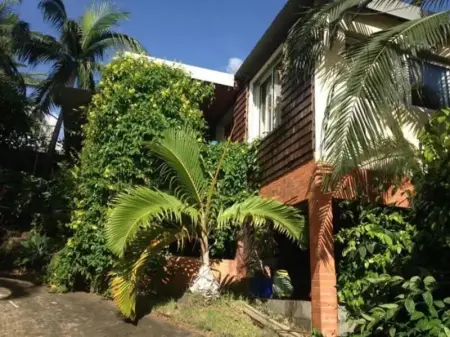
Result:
[{"x": 14, "y": 287}]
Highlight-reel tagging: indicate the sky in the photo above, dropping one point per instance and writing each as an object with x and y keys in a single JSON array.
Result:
[{"x": 213, "y": 34}]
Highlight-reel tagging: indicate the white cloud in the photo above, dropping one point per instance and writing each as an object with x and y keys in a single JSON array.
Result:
[{"x": 234, "y": 64}]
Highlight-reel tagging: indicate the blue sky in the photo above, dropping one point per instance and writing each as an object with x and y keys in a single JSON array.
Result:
[{"x": 205, "y": 33}]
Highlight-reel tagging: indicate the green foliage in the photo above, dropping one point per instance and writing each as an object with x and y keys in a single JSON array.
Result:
[
  {"x": 238, "y": 179},
  {"x": 29, "y": 202},
  {"x": 380, "y": 244},
  {"x": 430, "y": 205},
  {"x": 36, "y": 251},
  {"x": 136, "y": 101},
  {"x": 15, "y": 121},
  {"x": 413, "y": 310}
]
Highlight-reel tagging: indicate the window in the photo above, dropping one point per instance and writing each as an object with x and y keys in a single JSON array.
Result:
[
  {"x": 267, "y": 92},
  {"x": 432, "y": 90}
]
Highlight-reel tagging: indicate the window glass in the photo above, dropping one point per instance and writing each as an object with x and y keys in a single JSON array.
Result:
[
  {"x": 432, "y": 89},
  {"x": 269, "y": 102}
]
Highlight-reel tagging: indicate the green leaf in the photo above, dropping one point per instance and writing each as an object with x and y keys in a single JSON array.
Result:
[
  {"x": 428, "y": 298},
  {"x": 391, "y": 306},
  {"x": 362, "y": 252},
  {"x": 447, "y": 300},
  {"x": 447, "y": 331},
  {"x": 260, "y": 211},
  {"x": 410, "y": 305},
  {"x": 392, "y": 332},
  {"x": 439, "y": 304},
  {"x": 429, "y": 282},
  {"x": 367, "y": 317},
  {"x": 416, "y": 315}
]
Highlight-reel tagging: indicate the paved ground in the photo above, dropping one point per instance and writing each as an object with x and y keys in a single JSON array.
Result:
[{"x": 27, "y": 310}]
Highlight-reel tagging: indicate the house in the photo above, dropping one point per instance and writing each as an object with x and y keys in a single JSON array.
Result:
[{"x": 259, "y": 101}]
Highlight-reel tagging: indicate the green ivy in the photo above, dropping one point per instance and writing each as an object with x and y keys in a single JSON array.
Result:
[
  {"x": 238, "y": 179},
  {"x": 135, "y": 102}
]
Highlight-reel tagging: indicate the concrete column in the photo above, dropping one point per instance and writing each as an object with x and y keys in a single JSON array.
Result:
[{"x": 323, "y": 273}]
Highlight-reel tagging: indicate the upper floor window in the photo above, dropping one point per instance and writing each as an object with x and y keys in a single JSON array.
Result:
[
  {"x": 269, "y": 99},
  {"x": 266, "y": 93},
  {"x": 432, "y": 89}
]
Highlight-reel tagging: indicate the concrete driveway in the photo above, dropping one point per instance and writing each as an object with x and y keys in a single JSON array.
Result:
[{"x": 27, "y": 310}]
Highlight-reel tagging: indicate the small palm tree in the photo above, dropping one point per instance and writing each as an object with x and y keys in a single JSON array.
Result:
[
  {"x": 76, "y": 54},
  {"x": 145, "y": 220},
  {"x": 370, "y": 101}
]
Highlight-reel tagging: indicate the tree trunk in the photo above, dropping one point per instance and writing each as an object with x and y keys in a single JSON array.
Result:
[
  {"x": 55, "y": 134},
  {"x": 205, "y": 283}
]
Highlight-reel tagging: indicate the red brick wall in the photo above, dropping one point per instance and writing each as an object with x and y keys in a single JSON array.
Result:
[
  {"x": 293, "y": 187},
  {"x": 181, "y": 270}
]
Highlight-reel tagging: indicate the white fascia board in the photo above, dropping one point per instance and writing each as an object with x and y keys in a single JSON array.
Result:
[
  {"x": 197, "y": 73},
  {"x": 397, "y": 8}
]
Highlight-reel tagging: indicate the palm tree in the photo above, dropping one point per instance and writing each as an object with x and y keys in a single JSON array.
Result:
[
  {"x": 10, "y": 30},
  {"x": 370, "y": 101},
  {"x": 143, "y": 220},
  {"x": 75, "y": 55}
]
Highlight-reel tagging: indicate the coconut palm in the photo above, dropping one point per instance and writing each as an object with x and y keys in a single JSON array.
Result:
[
  {"x": 145, "y": 220},
  {"x": 76, "y": 53},
  {"x": 10, "y": 29},
  {"x": 370, "y": 101}
]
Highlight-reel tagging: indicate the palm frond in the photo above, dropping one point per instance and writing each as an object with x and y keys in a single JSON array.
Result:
[
  {"x": 180, "y": 152},
  {"x": 316, "y": 30},
  {"x": 36, "y": 48},
  {"x": 126, "y": 277},
  {"x": 369, "y": 99},
  {"x": 99, "y": 19},
  {"x": 141, "y": 207},
  {"x": 54, "y": 11},
  {"x": 259, "y": 212},
  {"x": 98, "y": 46}
]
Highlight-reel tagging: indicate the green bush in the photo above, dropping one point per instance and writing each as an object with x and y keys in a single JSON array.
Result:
[
  {"x": 394, "y": 261},
  {"x": 28, "y": 201},
  {"x": 36, "y": 251},
  {"x": 375, "y": 241},
  {"x": 378, "y": 254},
  {"x": 431, "y": 205},
  {"x": 136, "y": 101}
]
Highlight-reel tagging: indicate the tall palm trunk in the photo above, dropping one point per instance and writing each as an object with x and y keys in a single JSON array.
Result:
[{"x": 55, "y": 134}]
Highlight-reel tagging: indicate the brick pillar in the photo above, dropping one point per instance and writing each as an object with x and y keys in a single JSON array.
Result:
[
  {"x": 242, "y": 252},
  {"x": 323, "y": 273}
]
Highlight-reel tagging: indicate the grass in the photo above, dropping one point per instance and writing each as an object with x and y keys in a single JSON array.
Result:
[{"x": 222, "y": 317}]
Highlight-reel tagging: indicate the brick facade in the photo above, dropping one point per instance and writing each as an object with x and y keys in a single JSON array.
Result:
[{"x": 293, "y": 187}]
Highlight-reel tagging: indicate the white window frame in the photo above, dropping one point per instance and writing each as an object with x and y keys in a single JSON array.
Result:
[{"x": 254, "y": 114}]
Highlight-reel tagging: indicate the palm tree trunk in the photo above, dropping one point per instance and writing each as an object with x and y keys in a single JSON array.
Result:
[
  {"x": 204, "y": 247},
  {"x": 205, "y": 283},
  {"x": 55, "y": 134}
]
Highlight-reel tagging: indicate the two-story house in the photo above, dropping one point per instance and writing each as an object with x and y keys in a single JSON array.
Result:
[{"x": 260, "y": 101}]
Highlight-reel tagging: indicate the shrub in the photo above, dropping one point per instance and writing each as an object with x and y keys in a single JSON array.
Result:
[
  {"x": 393, "y": 262},
  {"x": 36, "y": 251},
  {"x": 136, "y": 101},
  {"x": 380, "y": 243}
]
